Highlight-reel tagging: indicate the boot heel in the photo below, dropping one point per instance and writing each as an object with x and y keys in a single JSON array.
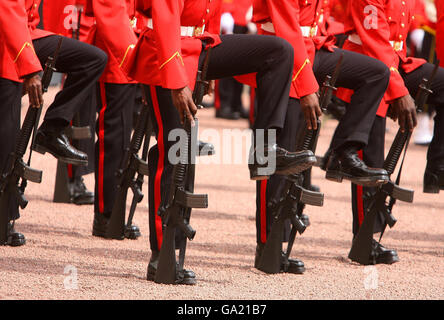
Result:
[
  {"x": 333, "y": 176},
  {"x": 38, "y": 148}
]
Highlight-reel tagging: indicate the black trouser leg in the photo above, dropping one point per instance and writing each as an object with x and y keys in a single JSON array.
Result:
[
  {"x": 83, "y": 65},
  {"x": 87, "y": 118},
  {"x": 114, "y": 125},
  {"x": 435, "y": 154},
  {"x": 272, "y": 58},
  {"x": 267, "y": 189},
  {"x": 368, "y": 78},
  {"x": 165, "y": 118},
  {"x": 10, "y": 105},
  {"x": 373, "y": 156}
]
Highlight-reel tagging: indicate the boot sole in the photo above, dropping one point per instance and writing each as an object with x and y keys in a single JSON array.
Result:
[
  {"x": 374, "y": 181},
  {"x": 42, "y": 150},
  {"x": 185, "y": 281},
  {"x": 300, "y": 166}
]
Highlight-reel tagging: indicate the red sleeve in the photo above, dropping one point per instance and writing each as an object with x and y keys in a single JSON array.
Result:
[
  {"x": 375, "y": 37},
  {"x": 166, "y": 27},
  {"x": 14, "y": 26},
  {"x": 440, "y": 32},
  {"x": 285, "y": 17},
  {"x": 119, "y": 40}
]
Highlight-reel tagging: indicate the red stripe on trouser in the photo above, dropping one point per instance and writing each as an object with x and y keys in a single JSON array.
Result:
[
  {"x": 252, "y": 97},
  {"x": 160, "y": 167},
  {"x": 216, "y": 95},
  {"x": 264, "y": 211},
  {"x": 69, "y": 167},
  {"x": 359, "y": 199},
  {"x": 101, "y": 138}
]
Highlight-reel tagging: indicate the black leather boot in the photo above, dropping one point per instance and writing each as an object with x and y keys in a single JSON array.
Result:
[
  {"x": 286, "y": 162},
  {"x": 15, "y": 239},
  {"x": 433, "y": 179},
  {"x": 295, "y": 266},
  {"x": 78, "y": 192},
  {"x": 132, "y": 232},
  {"x": 183, "y": 277},
  {"x": 206, "y": 148},
  {"x": 382, "y": 255},
  {"x": 99, "y": 225},
  {"x": 345, "y": 164},
  {"x": 55, "y": 142}
]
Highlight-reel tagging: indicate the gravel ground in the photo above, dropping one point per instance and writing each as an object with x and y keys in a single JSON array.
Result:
[{"x": 60, "y": 246}]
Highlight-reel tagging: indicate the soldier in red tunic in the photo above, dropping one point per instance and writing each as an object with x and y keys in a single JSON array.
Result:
[
  {"x": 166, "y": 60},
  {"x": 116, "y": 93},
  {"x": 379, "y": 29},
  {"x": 23, "y": 52},
  {"x": 302, "y": 23},
  {"x": 62, "y": 17}
]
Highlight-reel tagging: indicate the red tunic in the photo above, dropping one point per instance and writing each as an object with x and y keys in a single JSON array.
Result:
[
  {"x": 162, "y": 56},
  {"x": 61, "y": 16},
  {"x": 114, "y": 34},
  {"x": 18, "y": 23},
  {"x": 379, "y": 29},
  {"x": 287, "y": 18}
]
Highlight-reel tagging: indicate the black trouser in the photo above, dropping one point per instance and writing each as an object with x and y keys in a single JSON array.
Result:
[
  {"x": 113, "y": 128},
  {"x": 82, "y": 63},
  {"x": 87, "y": 117},
  {"x": 228, "y": 91},
  {"x": 368, "y": 78},
  {"x": 271, "y": 57},
  {"x": 10, "y": 105},
  {"x": 373, "y": 154}
]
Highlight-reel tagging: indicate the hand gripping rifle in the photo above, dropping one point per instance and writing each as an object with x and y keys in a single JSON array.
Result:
[
  {"x": 176, "y": 212},
  {"x": 132, "y": 164},
  {"x": 289, "y": 201},
  {"x": 74, "y": 132},
  {"x": 382, "y": 202},
  {"x": 16, "y": 168}
]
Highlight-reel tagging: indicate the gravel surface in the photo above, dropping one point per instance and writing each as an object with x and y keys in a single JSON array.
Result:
[{"x": 60, "y": 248}]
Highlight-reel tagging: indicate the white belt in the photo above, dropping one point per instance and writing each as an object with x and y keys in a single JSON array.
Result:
[
  {"x": 396, "y": 45},
  {"x": 185, "y": 31},
  {"x": 306, "y": 31}
]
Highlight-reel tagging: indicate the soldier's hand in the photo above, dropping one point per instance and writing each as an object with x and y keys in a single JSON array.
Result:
[
  {"x": 311, "y": 110},
  {"x": 404, "y": 110},
  {"x": 32, "y": 85},
  {"x": 183, "y": 101}
]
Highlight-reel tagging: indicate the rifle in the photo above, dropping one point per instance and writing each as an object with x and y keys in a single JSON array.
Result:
[
  {"x": 131, "y": 165},
  {"x": 74, "y": 132},
  {"x": 16, "y": 168},
  {"x": 384, "y": 199},
  {"x": 289, "y": 201},
  {"x": 175, "y": 213}
]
